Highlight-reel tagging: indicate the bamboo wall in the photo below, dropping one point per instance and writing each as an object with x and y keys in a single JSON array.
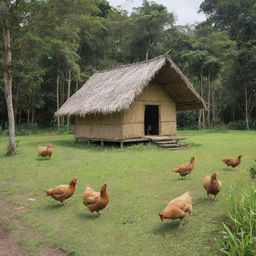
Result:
[
  {"x": 99, "y": 126},
  {"x": 133, "y": 118},
  {"x": 130, "y": 123}
]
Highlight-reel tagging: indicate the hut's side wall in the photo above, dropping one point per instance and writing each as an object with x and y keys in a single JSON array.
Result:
[
  {"x": 107, "y": 127},
  {"x": 133, "y": 118}
]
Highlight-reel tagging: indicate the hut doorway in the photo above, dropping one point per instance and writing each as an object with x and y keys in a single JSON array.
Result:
[{"x": 151, "y": 120}]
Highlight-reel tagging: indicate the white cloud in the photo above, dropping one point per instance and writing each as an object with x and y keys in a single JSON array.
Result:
[{"x": 185, "y": 10}]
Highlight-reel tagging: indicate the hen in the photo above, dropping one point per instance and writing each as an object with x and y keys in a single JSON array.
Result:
[
  {"x": 185, "y": 169},
  {"x": 96, "y": 201},
  {"x": 45, "y": 151},
  {"x": 62, "y": 192},
  {"x": 212, "y": 185},
  {"x": 177, "y": 208},
  {"x": 233, "y": 162}
]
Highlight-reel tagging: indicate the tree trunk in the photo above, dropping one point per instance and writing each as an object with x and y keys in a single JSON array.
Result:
[
  {"x": 209, "y": 103},
  {"x": 28, "y": 117},
  {"x": 201, "y": 111},
  {"x": 62, "y": 99},
  {"x": 203, "y": 119},
  {"x": 213, "y": 103},
  {"x": 76, "y": 85},
  {"x": 147, "y": 50},
  {"x": 246, "y": 108},
  {"x": 69, "y": 83},
  {"x": 199, "y": 119},
  {"x": 57, "y": 98},
  {"x": 33, "y": 116},
  {"x": 8, "y": 76}
]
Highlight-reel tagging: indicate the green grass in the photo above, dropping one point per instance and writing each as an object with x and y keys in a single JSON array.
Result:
[
  {"x": 140, "y": 186},
  {"x": 239, "y": 228}
]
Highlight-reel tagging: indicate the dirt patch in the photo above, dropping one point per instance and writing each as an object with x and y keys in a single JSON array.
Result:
[
  {"x": 8, "y": 238},
  {"x": 7, "y": 181},
  {"x": 12, "y": 232}
]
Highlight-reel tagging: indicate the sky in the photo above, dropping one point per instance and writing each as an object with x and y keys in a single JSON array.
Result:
[{"x": 184, "y": 10}]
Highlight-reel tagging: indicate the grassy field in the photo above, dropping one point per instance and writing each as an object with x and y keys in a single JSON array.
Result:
[{"x": 140, "y": 186}]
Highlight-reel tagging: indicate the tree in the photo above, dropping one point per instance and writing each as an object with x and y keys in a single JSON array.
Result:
[
  {"x": 238, "y": 18},
  {"x": 149, "y": 24},
  {"x": 8, "y": 11}
]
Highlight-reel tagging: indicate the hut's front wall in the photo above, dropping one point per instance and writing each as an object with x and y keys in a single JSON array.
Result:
[
  {"x": 133, "y": 118},
  {"x": 107, "y": 127}
]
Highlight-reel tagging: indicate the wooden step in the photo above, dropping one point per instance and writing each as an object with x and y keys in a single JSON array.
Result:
[
  {"x": 168, "y": 146},
  {"x": 172, "y": 149},
  {"x": 165, "y": 142}
]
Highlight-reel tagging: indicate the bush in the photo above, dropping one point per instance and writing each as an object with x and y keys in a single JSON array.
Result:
[
  {"x": 241, "y": 125},
  {"x": 26, "y": 129},
  {"x": 239, "y": 228},
  {"x": 187, "y": 120},
  {"x": 252, "y": 171},
  {"x": 237, "y": 125},
  {"x": 63, "y": 130}
]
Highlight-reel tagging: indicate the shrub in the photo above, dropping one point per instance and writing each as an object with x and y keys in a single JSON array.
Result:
[
  {"x": 237, "y": 125},
  {"x": 252, "y": 171},
  {"x": 239, "y": 228},
  {"x": 241, "y": 125},
  {"x": 25, "y": 129},
  {"x": 187, "y": 120},
  {"x": 63, "y": 130}
]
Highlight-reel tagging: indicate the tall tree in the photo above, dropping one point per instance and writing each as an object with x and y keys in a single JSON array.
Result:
[
  {"x": 149, "y": 24},
  {"x": 8, "y": 12}
]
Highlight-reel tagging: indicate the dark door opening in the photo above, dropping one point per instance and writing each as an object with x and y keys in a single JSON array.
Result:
[{"x": 151, "y": 120}]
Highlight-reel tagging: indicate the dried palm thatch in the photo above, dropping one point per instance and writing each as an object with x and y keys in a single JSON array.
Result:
[{"x": 115, "y": 90}]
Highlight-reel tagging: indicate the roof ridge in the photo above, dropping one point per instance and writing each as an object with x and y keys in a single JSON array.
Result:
[{"x": 132, "y": 64}]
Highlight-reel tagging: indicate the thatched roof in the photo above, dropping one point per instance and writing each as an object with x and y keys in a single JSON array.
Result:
[{"x": 114, "y": 90}]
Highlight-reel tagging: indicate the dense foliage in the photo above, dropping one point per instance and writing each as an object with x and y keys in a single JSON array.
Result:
[{"x": 58, "y": 44}]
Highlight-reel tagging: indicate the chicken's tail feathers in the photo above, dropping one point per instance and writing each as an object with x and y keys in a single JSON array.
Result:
[
  {"x": 186, "y": 193},
  {"x": 174, "y": 170}
]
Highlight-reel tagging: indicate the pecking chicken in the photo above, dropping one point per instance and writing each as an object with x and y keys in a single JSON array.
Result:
[
  {"x": 45, "y": 151},
  {"x": 96, "y": 201},
  {"x": 177, "y": 208},
  {"x": 233, "y": 162},
  {"x": 212, "y": 185},
  {"x": 185, "y": 169},
  {"x": 62, "y": 192}
]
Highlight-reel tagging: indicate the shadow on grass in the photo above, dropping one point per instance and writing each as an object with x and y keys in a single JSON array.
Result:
[
  {"x": 89, "y": 216},
  {"x": 227, "y": 169},
  {"x": 42, "y": 159},
  {"x": 167, "y": 227},
  {"x": 52, "y": 207},
  {"x": 204, "y": 200},
  {"x": 79, "y": 145}
]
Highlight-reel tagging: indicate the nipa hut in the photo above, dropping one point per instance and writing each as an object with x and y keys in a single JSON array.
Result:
[{"x": 131, "y": 101}]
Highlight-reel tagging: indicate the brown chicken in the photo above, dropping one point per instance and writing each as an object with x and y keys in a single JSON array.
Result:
[
  {"x": 212, "y": 185},
  {"x": 62, "y": 192},
  {"x": 45, "y": 151},
  {"x": 185, "y": 169},
  {"x": 177, "y": 208},
  {"x": 233, "y": 162},
  {"x": 96, "y": 201}
]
